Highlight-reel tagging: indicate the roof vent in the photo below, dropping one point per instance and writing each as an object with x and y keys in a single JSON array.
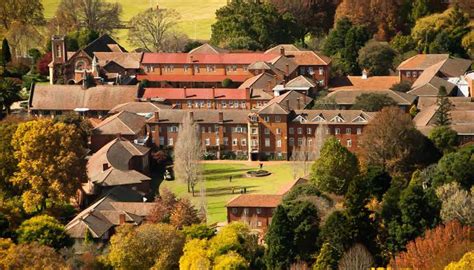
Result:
[{"x": 364, "y": 74}]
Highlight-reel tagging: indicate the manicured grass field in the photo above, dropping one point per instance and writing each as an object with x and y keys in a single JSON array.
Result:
[
  {"x": 197, "y": 16},
  {"x": 219, "y": 189}
]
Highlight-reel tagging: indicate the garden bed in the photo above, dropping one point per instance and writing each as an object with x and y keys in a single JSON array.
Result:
[{"x": 259, "y": 173}]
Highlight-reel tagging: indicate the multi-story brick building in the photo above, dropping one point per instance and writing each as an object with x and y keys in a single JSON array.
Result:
[{"x": 269, "y": 133}]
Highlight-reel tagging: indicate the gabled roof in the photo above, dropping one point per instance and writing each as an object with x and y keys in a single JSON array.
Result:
[
  {"x": 348, "y": 116},
  {"x": 222, "y": 58},
  {"x": 123, "y": 59},
  {"x": 358, "y": 83},
  {"x": 207, "y": 48},
  {"x": 261, "y": 81},
  {"x": 105, "y": 213},
  {"x": 117, "y": 155},
  {"x": 301, "y": 82},
  {"x": 125, "y": 123},
  {"x": 273, "y": 108},
  {"x": 104, "y": 43},
  {"x": 139, "y": 107},
  {"x": 70, "y": 97},
  {"x": 308, "y": 58},
  {"x": 284, "y": 64},
  {"x": 422, "y": 61},
  {"x": 430, "y": 87},
  {"x": 203, "y": 94},
  {"x": 202, "y": 116},
  {"x": 260, "y": 65},
  {"x": 293, "y": 99},
  {"x": 348, "y": 97},
  {"x": 286, "y": 47},
  {"x": 192, "y": 78},
  {"x": 255, "y": 200}
]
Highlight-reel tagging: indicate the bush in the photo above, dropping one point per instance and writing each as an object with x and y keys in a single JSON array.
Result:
[
  {"x": 45, "y": 230},
  {"x": 227, "y": 83},
  {"x": 401, "y": 87}
]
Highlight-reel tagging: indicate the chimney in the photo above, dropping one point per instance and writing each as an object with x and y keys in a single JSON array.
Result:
[
  {"x": 364, "y": 74},
  {"x": 221, "y": 117},
  {"x": 191, "y": 115},
  {"x": 282, "y": 50},
  {"x": 298, "y": 103},
  {"x": 287, "y": 69},
  {"x": 185, "y": 92},
  {"x": 105, "y": 167},
  {"x": 248, "y": 93},
  {"x": 213, "y": 92},
  {"x": 121, "y": 219},
  {"x": 157, "y": 116}
]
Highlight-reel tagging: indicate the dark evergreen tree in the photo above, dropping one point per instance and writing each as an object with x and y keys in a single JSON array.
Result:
[
  {"x": 279, "y": 239},
  {"x": 6, "y": 54},
  {"x": 442, "y": 116}
]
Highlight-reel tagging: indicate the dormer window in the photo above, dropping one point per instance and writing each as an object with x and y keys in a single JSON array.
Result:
[
  {"x": 359, "y": 119},
  {"x": 319, "y": 118},
  {"x": 337, "y": 119}
]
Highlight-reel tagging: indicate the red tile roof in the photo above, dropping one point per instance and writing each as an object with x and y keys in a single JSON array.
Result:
[
  {"x": 195, "y": 93},
  {"x": 255, "y": 200},
  {"x": 193, "y": 78},
  {"x": 224, "y": 58}
]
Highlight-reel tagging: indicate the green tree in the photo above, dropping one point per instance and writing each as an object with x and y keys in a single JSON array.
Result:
[
  {"x": 338, "y": 231},
  {"x": 401, "y": 87},
  {"x": 8, "y": 163},
  {"x": 378, "y": 181},
  {"x": 27, "y": 12},
  {"x": 373, "y": 102},
  {"x": 83, "y": 126},
  {"x": 199, "y": 231},
  {"x": 421, "y": 8},
  {"x": 444, "y": 138},
  {"x": 9, "y": 93},
  {"x": 45, "y": 230},
  {"x": 156, "y": 246},
  {"x": 279, "y": 239},
  {"x": 231, "y": 260},
  {"x": 442, "y": 116},
  {"x": 327, "y": 258},
  {"x": 49, "y": 174},
  {"x": 336, "y": 167},
  {"x": 456, "y": 203},
  {"x": 28, "y": 256},
  {"x": 456, "y": 167},
  {"x": 377, "y": 58},
  {"x": 6, "y": 54},
  {"x": 243, "y": 24},
  {"x": 195, "y": 255},
  {"x": 355, "y": 39},
  {"x": 335, "y": 40},
  {"x": 402, "y": 43}
]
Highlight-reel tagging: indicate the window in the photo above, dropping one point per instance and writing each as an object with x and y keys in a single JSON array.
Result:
[
  {"x": 235, "y": 142},
  {"x": 359, "y": 131},
  {"x": 267, "y": 142},
  {"x": 310, "y": 142},
  {"x": 226, "y": 141},
  {"x": 259, "y": 210},
  {"x": 278, "y": 143},
  {"x": 218, "y": 141},
  {"x": 223, "y": 104},
  {"x": 245, "y": 68},
  {"x": 207, "y": 141},
  {"x": 278, "y": 131},
  {"x": 186, "y": 68},
  {"x": 234, "y": 67},
  {"x": 302, "y": 70},
  {"x": 328, "y": 131},
  {"x": 254, "y": 118},
  {"x": 348, "y": 131},
  {"x": 234, "y": 210},
  {"x": 190, "y": 104},
  {"x": 254, "y": 130},
  {"x": 227, "y": 68},
  {"x": 321, "y": 71},
  {"x": 209, "y": 129},
  {"x": 300, "y": 141},
  {"x": 310, "y": 70},
  {"x": 170, "y": 141},
  {"x": 236, "y": 104},
  {"x": 58, "y": 51},
  {"x": 243, "y": 105},
  {"x": 266, "y": 118},
  {"x": 231, "y": 103},
  {"x": 80, "y": 65},
  {"x": 337, "y": 131},
  {"x": 162, "y": 140},
  {"x": 209, "y": 104},
  {"x": 291, "y": 131},
  {"x": 178, "y": 104},
  {"x": 173, "y": 129},
  {"x": 243, "y": 142},
  {"x": 349, "y": 143},
  {"x": 203, "y": 129},
  {"x": 308, "y": 131},
  {"x": 267, "y": 131},
  {"x": 292, "y": 141},
  {"x": 246, "y": 211},
  {"x": 277, "y": 118},
  {"x": 210, "y": 68},
  {"x": 169, "y": 68},
  {"x": 254, "y": 142},
  {"x": 300, "y": 130},
  {"x": 216, "y": 128},
  {"x": 196, "y": 69},
  {"x": 408, "y": 74}
]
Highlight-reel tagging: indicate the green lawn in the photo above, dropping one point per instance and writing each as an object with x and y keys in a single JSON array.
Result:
[
  {"x": 197, "y": 16},
  {"x": 219, "y": 189}
]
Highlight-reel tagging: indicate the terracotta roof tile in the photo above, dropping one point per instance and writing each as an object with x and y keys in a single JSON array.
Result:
[
  {"x": 125, "y": 123},
  {"x": 422, "y": 61},
  {"x": 224, "y": 58},
  {"x": 358, "y": 83},
  {"x": 202, "y": 116},
  {"x": 139, "y": 107},
  {"x": 255, "y": 200},
  {"x": 193, "y": 78}
]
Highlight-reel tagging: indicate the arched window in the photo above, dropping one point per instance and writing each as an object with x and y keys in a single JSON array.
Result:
[{"x": 80, "y": 65}]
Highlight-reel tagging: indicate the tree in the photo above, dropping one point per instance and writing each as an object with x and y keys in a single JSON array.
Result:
[
  {"x": 373, "y": 102},
  {"x": 327, "y": 257},
  {"x": 355, "y": 39},
  {"x": 279, "y": 240},
  {"x": 401, "y": 87},
  {"x": 313, "y": 17},
  {"x": 442, "y": 115},
  {"x": 9, "y": 93},
  {"x": 195, "y": 255},
  {"x": 23, "y": 11},
  {"x": 337, "y": 230},
  {"x": 83, "y": 126},
  {"x": 377, "y": 58},
  {"x": 336, "y": 167},
  {"x": 188, "y": 153},
  {"x": 227, "y": 83},
  {"x": 8, "y": 163},
  {"x": 6, "y": 54},
  {"x": 437, "y": 248},
  {"x": 444, "y": 138},
  {"x": 392, "y": 142},
  {"x": 456, "y": 204},
  {"x": 45, "y": 230},
  {"x": 156, "y": 246},
  {"x": 466, "y": 262},
  {"x": 456, "y": 167},
  {"x": 244, "y": 24},
  {"x": 43, "y": 63},
  {"x": 94, "y": 15},
  {"x": 231, "y": 260},
  {"x": 184, "y": 214},
  {"x": 24, "y": 256},
  {"x": 378, "y": 181},
  {"x": 402, "y": 43},
  {"x": 420, "y": 9},
  {"x": 199, "y": 231},
  {"x": 356, "y": 258},
  {"x": 153, "y": 28},
  {"x": 49, "y": 174}
]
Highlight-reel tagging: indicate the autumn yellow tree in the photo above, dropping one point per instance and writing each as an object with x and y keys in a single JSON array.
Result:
[{"x": 51, "y": 164}]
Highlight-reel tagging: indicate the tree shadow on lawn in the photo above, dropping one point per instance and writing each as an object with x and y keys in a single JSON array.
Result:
[
  {"x": 215, "y": 192},
  {"x": 223, "y": 171},
  {"x": 221, "y": 177}
]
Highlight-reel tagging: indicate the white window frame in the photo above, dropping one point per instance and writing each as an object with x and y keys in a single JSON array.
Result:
[
  {"x": 337, "y": 131},
  {"x": 235, "y": 142},
  {"x": 348, "y": 131},
  {"x": 267, "y": 142}
]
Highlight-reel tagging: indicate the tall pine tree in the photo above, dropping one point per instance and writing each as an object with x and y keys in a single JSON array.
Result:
[
  {"x": 442, "y": 116},
  {"x": 6, "y": 54}
]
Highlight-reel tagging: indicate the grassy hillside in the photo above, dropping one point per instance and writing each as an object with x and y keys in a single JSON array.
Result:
[{"x": 196, "y": 15}]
